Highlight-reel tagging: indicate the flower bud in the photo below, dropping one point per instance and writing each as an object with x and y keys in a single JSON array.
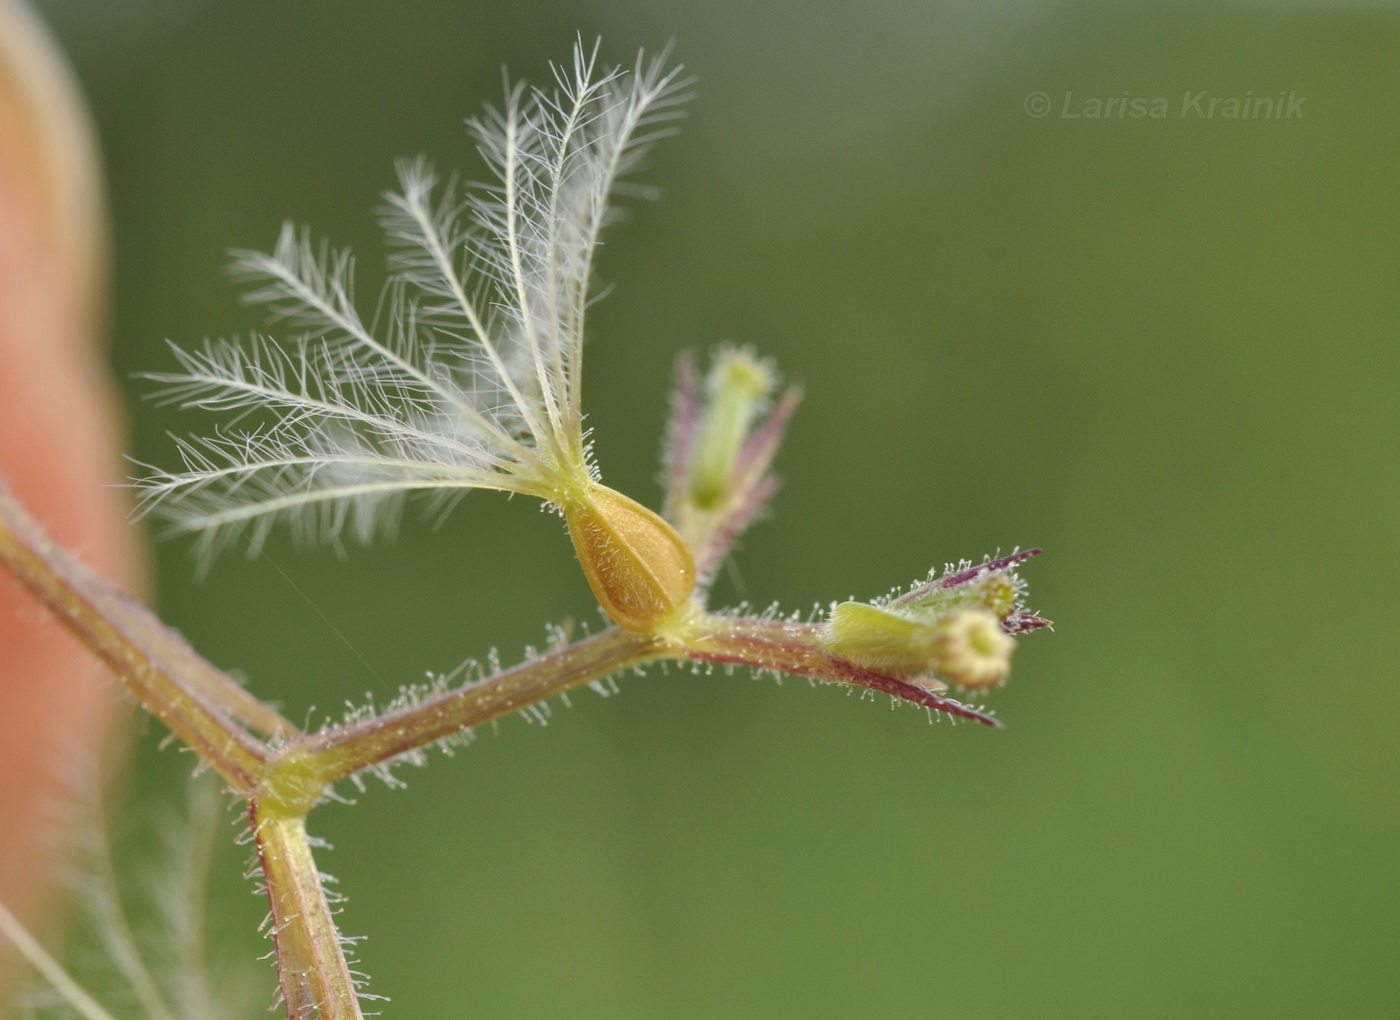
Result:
[
  {"x": 971, "y": 650},
  {"x": 738, "y": 385},
  {"x": 640, "y": 570},
  {"x": 878, "y": 639},
  {"x": 966, "y": 647},
  {"x": 998, "y": 591}
]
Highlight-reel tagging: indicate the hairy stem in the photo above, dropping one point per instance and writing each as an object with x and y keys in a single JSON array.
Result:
[
  {"x": 281, "y": 784},
  {"x": 338, "y": 752},
  {"x": 193, "y": 698},
  {"x": 310, "y": 763},
  {"x": 311, "y": 967}
]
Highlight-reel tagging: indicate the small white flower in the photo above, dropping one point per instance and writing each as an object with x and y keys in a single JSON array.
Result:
[{"x": 471, "y": 378}]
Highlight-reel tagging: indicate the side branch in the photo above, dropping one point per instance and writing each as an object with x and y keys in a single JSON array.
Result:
[
  {"x": 320, "y": 759},
  {"x": 341, "y": 751}
]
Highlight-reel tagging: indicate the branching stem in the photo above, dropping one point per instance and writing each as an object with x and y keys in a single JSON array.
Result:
[{"x": 282, "y": 780}]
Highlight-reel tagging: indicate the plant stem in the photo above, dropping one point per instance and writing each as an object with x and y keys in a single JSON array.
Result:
[
  {"x": 340, "y": 751},
  {"x": 311, "y": 967},
  {"x": 196, "y": 701},
  {"x": 281, "y": 783},
  {"x": 319, "y": 759}
]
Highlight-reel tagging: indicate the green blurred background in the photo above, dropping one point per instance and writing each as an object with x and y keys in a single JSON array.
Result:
[{"x": 1164, "y": 350}]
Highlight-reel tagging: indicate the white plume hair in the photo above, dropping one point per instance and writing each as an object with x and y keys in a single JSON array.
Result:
[{"x": 470, "y": 377}]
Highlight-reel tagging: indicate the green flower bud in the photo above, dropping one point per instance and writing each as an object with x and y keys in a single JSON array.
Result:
[
  {"x": 966, "y": 647},
  {"x": 971, "y": 650},
  {"x": 880, "y": 640},
  {"x": 999, "y": 592},
  {"x": 738, "y": 385}
]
